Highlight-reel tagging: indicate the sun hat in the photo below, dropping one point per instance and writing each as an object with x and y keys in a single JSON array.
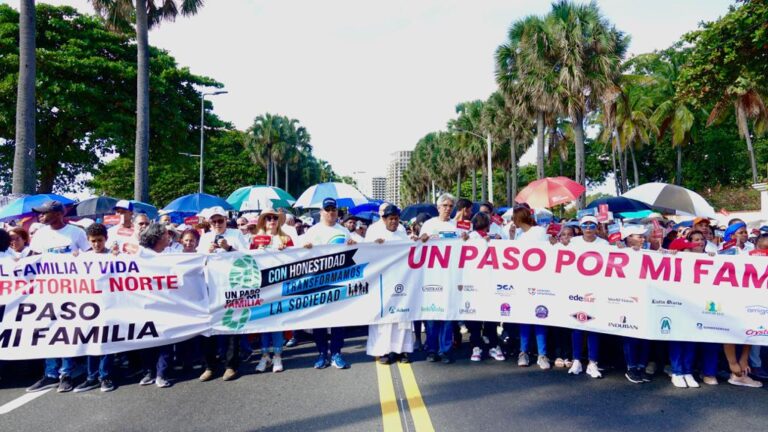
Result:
[{"x": 262, "y": 223}]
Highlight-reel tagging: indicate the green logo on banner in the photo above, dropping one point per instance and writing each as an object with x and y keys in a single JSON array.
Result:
[
  {"x": 245, "y": 273},
  {"x": 245, "y": 315}
]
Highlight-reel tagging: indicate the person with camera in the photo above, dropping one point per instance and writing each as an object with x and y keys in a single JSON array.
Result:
[{"x": 220, "y": 238}]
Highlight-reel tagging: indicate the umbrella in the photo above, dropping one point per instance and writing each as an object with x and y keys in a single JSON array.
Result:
[
  {"x": 94, "y": 207},
  {"x": 23, "y": 206},
  {"x": 147, "y": 209},
  {"x": 194, "y": 203},
  {"x": 371, "y": 216},
  {"x": 260, "y": 197},
  {"x": 620, "y": 204},
  {"x": 549, "y": 192},
  {"x": 345, "y": 195},
  {"x": 367, "y": 207},
  {"x": 413, "y": 210},
  {"x": 672, "y": 197}
]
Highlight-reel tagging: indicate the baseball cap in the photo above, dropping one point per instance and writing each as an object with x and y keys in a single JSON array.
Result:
[
  {"x": 329, "y": 203},
  {"x": 681, "y": 244},
  {"x": 391, "y": 210},
  {"x": 699, "y": 220},
  {"x": 49, "y": 206},
  {"x": 349, "y": 217},
  {"x": 213, "y": 211},
  {"x": 124, "y": 204},
  {"x": 587, "y": 219},
  {"x": 628, "y": 230}
]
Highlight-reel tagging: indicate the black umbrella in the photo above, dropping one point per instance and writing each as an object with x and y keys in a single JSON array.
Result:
[
  {"x": 413, "y": 210},
  {"x": 620, "y": 204},
  {"x": 94, "y": 207}
]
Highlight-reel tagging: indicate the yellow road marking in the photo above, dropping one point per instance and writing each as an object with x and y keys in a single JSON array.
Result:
[
  {"x": 389, "y": 411},
  {"x": 419, "y": 413}
]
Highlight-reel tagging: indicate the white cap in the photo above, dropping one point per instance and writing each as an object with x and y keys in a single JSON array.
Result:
[
  {"x": 213, "y": 211},
  {"x": 628, "y": 230},
  {"x": 124, "y": 204},
  {"x": 588, "y": 218}
]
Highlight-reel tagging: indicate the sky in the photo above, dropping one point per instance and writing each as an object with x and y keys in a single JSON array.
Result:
[{"x": 371, "y": 78}]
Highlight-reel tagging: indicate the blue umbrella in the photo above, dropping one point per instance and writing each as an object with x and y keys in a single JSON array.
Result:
[
  {"x": 372, "y": 216},
  {"x": 23, "y": 206},
  {"x": 620, "y": 204},
  {"x": 413, "y": 210},
  {"x": 147, "y": 209},
  {"x": 367, "y": 207},
  {"x": 194, "y": 203}
]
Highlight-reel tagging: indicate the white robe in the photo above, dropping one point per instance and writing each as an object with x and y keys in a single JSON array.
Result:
[{"x": 391, "y": 337}]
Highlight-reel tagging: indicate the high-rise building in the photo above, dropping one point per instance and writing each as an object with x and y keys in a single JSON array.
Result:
[
  {"x": 395, "y": 170},
  {"x": 379, "y": 188}
]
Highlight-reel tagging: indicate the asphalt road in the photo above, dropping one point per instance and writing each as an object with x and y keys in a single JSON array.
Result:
[{"x": 463, "y": 396}]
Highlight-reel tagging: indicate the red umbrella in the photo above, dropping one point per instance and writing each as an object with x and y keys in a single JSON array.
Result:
[{"x": 549, "y": 192}]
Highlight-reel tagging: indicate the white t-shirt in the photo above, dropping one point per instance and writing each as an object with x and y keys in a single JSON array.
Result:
[
  {"x": 233, "y": 237},
  {"x": 322, "y": 234},
  {"x": 442, "y": 229},
  {"x": 68, "y": 239},
  {"x": 710, "y": 247},
  {"x": 534, "y": 234},
  {"x": 387, "y": 235},
  {"x": 579, "y": 240},
  {"x": 123, "y": 236},
  {"x": 379, "y": 226},
  {"x": 497, "y": 231},
  {"x": 18, "y": 255}
]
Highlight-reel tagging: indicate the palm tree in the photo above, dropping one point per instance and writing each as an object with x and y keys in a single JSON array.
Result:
[
  {"x": 24, "y": 171},
  {"x": 261, "y": 138},
  {"x": 147, "y": 14},
  {"x": 748, "y": 104},
  {"x": 634, "y": 113},
  {"x": 299, "y": 144},
  {"x": 467, "y": 127},
  {"x": 674, "y": 115}
]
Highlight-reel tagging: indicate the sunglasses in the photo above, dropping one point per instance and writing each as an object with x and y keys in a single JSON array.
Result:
[
  {"x": 242, "y": 224},
  {"x": 589, "y": 225},
  {"x": 272, "y": 218},
  {"x": 218, "y": 221},
  {"x": 330, "y": 209}
]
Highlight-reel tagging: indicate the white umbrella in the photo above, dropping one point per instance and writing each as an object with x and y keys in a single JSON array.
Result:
[
  {"x": 672, "y": 197},
  {"x": 344, "y": 194}
]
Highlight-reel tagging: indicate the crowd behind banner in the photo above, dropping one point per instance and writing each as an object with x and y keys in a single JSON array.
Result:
[{"x": 564, "y": 286}]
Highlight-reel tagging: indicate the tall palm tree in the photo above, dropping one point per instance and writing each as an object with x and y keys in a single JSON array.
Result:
[
  {"x": 635, "y": 115},
  {"x": 674, "y": 115},
  {"x": 145, "y": 15},
  {"x": 467, "y": 127},
  {"x": 261, "y": 138},
  {"x": 24, "y": 171},
  {"x": 300, "y": 143},
  {"x": 749, "y": 104}
]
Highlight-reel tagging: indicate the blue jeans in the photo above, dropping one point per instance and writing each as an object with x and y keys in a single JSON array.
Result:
[
  {"x": 272, "y": 341},
  {"x": 99, "y": 366},
  {"x": 636, "y": 352},
  {"x": 681, "y": 356},
  {"x": 439, "y": 336},
  {"x": 321, "y": 340},
  {"x": 710, "y": 352},
  {"x": 58, "y": 367},
  {"x": 541, "y": 338},
  {"x": 593, "y": 344},
  {"x": 754, "y": 356},
  {"x": 156, "y": 359}
]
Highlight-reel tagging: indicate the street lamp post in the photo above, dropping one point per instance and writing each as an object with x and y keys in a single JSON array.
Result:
[
  {"x": 487, "y": 139},
  {"x": 202, "y": 129}
]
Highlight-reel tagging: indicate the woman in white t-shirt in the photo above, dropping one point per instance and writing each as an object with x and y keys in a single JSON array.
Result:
[{"x": 19, "y": 243}]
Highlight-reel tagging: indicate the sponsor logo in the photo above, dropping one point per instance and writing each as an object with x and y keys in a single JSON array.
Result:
[
  {"x": 540, "y": 292},
  {"x": 504, "y": 290},
  {"x": 622, "y": 300},
  {"x": 702, "y": 326},
  {"x": 467, "y": 288},
  {"x": 432, "y": 288},
  {"x": 712, "y": 308},
  {"x": 399, "y": 291},
  {"x": 245, "y": 273},
  {"x": 623, "y": 324},
  {"x": 666, "y": 303},
  {"x": 467, "y": 309},
  {"x": 357, "y": 289},
  {"x": 230, "y": 322},
  {"x": 586, "y": 298},
  {"x": 760, "y": 331},
  {"x": 757, "y": 309},
  {"x": 394, "y": 310},
  {"x": 666, "y": 325},
  {"x": 432, "y": 308},
  {"x": 542, "y": 311},
  {"x": 505, "y": 309},
  {"x": 582, "y": 317}
]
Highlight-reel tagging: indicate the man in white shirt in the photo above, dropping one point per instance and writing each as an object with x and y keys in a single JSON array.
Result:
[
  {"x": 378, "y": 227},
  {"x": 442, "y": 226},
  {"x": 125, "y": 233},
  {"x": 220, "y": 238}
]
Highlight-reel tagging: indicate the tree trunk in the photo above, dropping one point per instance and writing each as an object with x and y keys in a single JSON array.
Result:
[
  {"x": 745, "y": 127},
  {"x": 474, "y": 184},
  {"x": 285, "y": 185},
  {"x": 274, "y": 174},
  {"x": 622, "y": 164},
  {"x": 513, "y": 174},
  {"x": 48, "y": 172},
  {"x": 458, "y": 185},
  {"x": 484, "y": 183},
  {"x": 24, "y": 172},
  {"x": 615, "y": 174},
  {"x": 679, "y": 167},
  {"x": 141, "y": 157},
  {"x": 509, "y": 188},
  {"x": 540, "y": 145},
  {"x": 269, "y": 166},
  {"x": 634, "y": 165},
  {"x": 581, "y": 178}
]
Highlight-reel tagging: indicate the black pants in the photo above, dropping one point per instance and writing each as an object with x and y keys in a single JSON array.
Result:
[
  {"x": 232, "y": 351},
  {"x": 488, "y": 330}
]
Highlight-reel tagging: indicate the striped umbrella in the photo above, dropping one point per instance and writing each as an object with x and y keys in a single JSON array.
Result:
[
  {"x": 667, "y": 196},
  {"x": 260, "y": 197},
  {"x": 344, "y": 194},
  {"x": 549, "y": 192}
]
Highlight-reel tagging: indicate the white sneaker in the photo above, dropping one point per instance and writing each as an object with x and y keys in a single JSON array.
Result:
[
  {"x": 463, "y": 329},
  {"x": 575, "y": 368},
  {"x": 523, "y": 360},
  {"x": 263, "y": 363},
  {"x": 744, "y": 381},
  {"x": 162, "y": 382},
  {"x": 593, "y": 371},
  {"x": 543, "y": 362},
  {"x": 679, "y": 381},
  {"x": 277, "y": 363},
  {"x": 477, "y": 354},
  {"x": 497, "y": 354},
  {"x": 691, "y": 381}
]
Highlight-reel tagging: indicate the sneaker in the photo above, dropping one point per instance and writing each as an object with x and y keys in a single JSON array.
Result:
[
  {"x": 88, "y": 384},
  {"x": 229, "y": 374},
  {"x": 107, "y": 385},
  {"x": 633, "y": 376},
  {"x": 65, "y": 384},
  {"x": 147, "y": 379},
  {"x": 161, "y": 382},
  {"x": 543, "y": 362},
  {"x": 559, "y": 363},
  {"x": 446, "y": 358},
  {"x": 43, "y": 383},
  {"x": 758, "y": 373},
  {"x": 744, "y": 381},
  {"x": 646, "y": 376},
  {"x": 338, "y": 362},
  {"x": 497, "y": 354},
  {"x": 576, "y": 368},
  {"x": 322, "y": 362},
  {"x": 433, "y": 357},
  {"x": 277, "y": 363},
  {"x": 679, "y": 381},
  {"x": 709, "y": 380},
  {"x": 651, "y": 368},
  {"x": 207, "y": 375},
  {"x": 593, "y": 371},
  {"x": 523, "y": 360},
  {"x": 264, "y": 363},
  {"x": 291, "y": 342},
  {"x": 691, "y": 381},
  {"x": 404, "y": 358},
  {"x": 477, "y": 354}
]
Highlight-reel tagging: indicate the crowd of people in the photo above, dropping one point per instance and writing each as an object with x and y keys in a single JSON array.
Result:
[{"x": 273, "y": 231}]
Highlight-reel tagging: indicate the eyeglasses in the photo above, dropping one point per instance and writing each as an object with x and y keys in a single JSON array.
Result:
[
  {"x": 218, "y": 221},
  {"x": 242, "y": 224},
  {"x": 271, "y": 218},
  {"x": 589, "y": 225},
  {"x": 330, "y": 209}
]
